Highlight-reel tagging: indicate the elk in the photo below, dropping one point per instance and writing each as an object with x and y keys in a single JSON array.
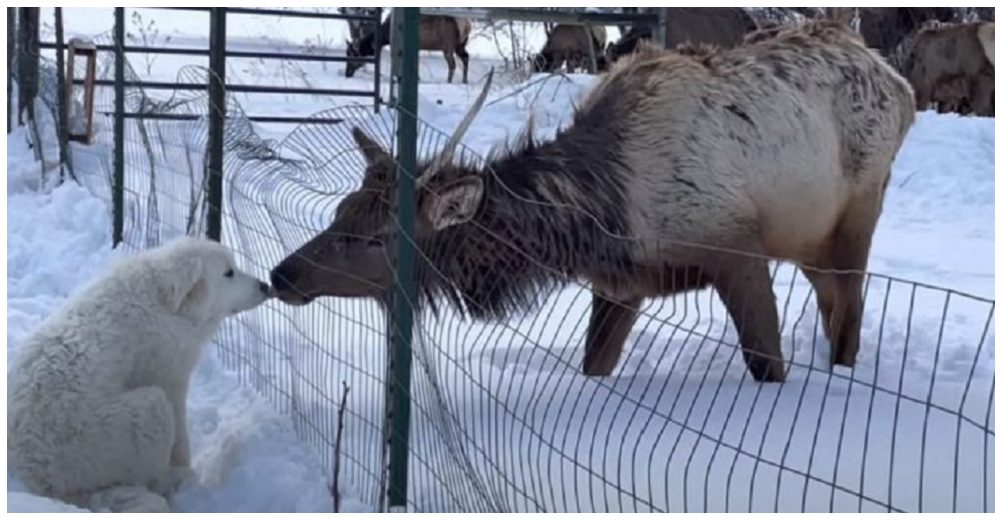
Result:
[
  {"x": 568, "y": 44},
  {"x": 951, "y": 94},
  {"x": 941, "y": 54},
  {"x": 721, "y": 26},
  {"x": 357, "y": 28},
  {"x": 885, "y": 28},
  {"x": 678, "y": 172},
  {"x": 447, "y": 34}
]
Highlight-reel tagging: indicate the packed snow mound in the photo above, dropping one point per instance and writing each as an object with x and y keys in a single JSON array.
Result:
[
  {"x": 937, "y": 224},
  {"x": 20, "y": 502}
]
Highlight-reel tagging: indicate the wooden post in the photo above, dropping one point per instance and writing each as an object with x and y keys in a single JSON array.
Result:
[
  {"x": 27, "y": 61},
  {"x": 88, "y": 50},
  {"x": 11, "y": 46}
]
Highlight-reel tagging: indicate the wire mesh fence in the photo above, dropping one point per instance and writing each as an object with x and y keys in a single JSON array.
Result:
[{"x": 503, "y": 417}]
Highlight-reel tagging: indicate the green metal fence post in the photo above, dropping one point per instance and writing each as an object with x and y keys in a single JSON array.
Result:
[
  {"x": 406, "y": 22},
  {"x": 378, "y": 59},
  {"x": 395, "y": 37},
  {"x": 11, "y": 45},
  {"x": 216, "y": 118},
  {"x": 118, "y": 187}
]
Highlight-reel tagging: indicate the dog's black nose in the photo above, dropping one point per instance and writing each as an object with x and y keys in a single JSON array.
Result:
[{"x": 264, "y": 288}]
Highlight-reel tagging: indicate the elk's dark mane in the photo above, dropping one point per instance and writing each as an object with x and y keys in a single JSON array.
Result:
[{"x": 549, "y": 211}]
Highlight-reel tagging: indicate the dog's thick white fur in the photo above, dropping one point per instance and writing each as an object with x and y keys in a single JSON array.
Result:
[{"x": 97, "y": 395}]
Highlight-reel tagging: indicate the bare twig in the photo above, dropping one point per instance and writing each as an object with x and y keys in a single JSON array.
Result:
[
  {"x": 335, "y": 486},
  {"x": 526, "y": 86},
  {"x": 908, "y": 177}
]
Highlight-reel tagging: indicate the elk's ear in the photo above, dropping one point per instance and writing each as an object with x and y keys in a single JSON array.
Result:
[
  {"x": 455, "y": 203},
  {"x": 373, "y": 152}
]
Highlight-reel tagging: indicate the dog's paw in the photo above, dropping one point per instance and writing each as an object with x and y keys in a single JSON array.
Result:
[
  {"x": 173, "y": 480},
  {"x": 128, "y": 499}
]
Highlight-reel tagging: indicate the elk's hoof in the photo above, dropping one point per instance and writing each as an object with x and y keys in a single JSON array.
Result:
[
  {"x": 846, "y": 360},
  {"x": 844, "y": 356},
  {"x": 597, "y": 369},
  {"x": 766, "y": 370}
]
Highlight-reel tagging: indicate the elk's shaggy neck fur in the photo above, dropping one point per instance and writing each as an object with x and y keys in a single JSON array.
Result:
[{"x": 550, "y": 211}]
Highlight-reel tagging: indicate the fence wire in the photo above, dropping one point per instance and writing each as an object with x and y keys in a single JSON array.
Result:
[{"x": 503, "y": 418}]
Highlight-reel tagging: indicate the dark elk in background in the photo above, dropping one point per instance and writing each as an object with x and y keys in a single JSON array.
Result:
[
  {"x": 568, "y": 44},
  {"x": 945, "y": 52},
  {"x": 359, "y": 28},
  {"x": 447, "y": 34},
  {"x": 953, "y": 65},
  {"x": 887, "y": 28},
  {"x": 946, "y": 65},
  {"x": 884, "y": 28},
  {"x": 721, "y": 26}
]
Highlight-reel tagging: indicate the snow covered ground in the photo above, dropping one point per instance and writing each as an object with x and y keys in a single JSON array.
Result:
[
  {"x": 246, "y": 454},
  {"x": 501, "y": 416}
]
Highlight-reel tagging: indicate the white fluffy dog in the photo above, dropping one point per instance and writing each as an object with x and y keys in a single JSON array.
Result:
[{"x": 96, "y": 398}]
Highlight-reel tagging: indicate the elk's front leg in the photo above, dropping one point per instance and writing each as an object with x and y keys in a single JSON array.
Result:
[
  {"x": 610, "y": 324},
  {"x": 744, "y": 286}
]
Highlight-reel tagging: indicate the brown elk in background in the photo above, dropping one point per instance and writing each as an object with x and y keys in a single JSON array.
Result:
[
  {"x": 951, "y": 94},
  {"x": 942, "y": 54},
  {"x": 357, "y": 28},
  {"x": 569, "y": 44},
  {"x": 673, "y": 176},
  {"x": 884, "y": 28},
  {"x": 719, "y": 26},
  {"x": 447, "y": 34}
]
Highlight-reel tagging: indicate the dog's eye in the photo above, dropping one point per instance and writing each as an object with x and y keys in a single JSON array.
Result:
[{"x": 229, "y": 273}]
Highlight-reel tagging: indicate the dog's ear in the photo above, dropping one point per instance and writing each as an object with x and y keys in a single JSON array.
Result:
[{"x": 185, "y": 282}]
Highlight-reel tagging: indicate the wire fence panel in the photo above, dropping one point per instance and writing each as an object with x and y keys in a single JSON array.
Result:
[{"x": 503, "y": 419}]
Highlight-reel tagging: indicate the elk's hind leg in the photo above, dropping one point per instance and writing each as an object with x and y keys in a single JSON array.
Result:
[
  {"x": 464, "y": 56},
  {"x": 849, "y": 252},
  {"x": 825, "y": 285}
]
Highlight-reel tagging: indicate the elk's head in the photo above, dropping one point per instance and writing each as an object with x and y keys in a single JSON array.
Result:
[
  {"x": 542, "y": 62},
  {"x": 351, "y": 257},
  {"x": 356, "y": 49}
]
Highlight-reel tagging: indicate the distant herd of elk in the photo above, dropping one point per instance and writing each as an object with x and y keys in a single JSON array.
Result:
[{"x": 948, "y": 63}]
